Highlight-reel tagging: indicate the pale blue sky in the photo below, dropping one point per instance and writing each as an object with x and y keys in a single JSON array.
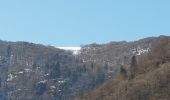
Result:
[{"x": 75, "y": 22}]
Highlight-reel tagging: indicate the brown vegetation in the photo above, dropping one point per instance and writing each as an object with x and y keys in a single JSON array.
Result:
[{"x": 148, "y": 78}]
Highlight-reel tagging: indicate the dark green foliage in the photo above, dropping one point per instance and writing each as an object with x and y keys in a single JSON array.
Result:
[
  {"x": 55, "y": 73},
  {"x": 41, "y": 88},
  {"x": 133, "y": 68},
  {"x": 9, "y": 51},
  {"x": 66, "y": 71},
  {"x": 106, "y": 66},
  {"x": 92, "y": 65},
  {"x": 123, "y": 72},
  {"x": 0, "y": 82},
  {"x": 100, "y": 76},
  {"x": 84, "y": 69}
]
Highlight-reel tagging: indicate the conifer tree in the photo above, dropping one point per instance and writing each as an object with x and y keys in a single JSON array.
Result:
[
  {"x": 133, "y": 68},
  {"x": 123, "y": 72}
]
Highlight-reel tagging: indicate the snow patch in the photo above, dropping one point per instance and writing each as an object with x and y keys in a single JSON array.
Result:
[
  {"x": 21, "y": 72},
  {"x": 11, "y": 77},
  {"x": 44, "y": 81},
  {"x": 139, "y": 51},
  {"x": 61, "y": 82},
  {"x": 52, "y": 87},
  {"x": 75, "y": 50},
  {"x": 28, "y": 70},
  {"x": 47, "y": 74}
]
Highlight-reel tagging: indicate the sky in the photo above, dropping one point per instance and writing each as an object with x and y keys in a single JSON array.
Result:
[{"x": 78, "y": 22}]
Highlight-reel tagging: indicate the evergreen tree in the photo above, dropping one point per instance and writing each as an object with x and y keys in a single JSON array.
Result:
[
  {"x": 0, "y": 82},
  {"x": 56, "y": 71},
  {"x": 100, "y": 77},
  {"x": 106, "y": 66},
  {"x": 133, "y": 67},
  {"x": 123, "y": 72},
  {"x": 84, "y": 69},
  {"x": 92, "y": 65},
  {"x": 8, "y": 51}
]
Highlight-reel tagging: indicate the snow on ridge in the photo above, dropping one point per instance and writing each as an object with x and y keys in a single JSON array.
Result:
[
  {"x": 75, "y": 50},
  {"x": 70, "y": 48}
]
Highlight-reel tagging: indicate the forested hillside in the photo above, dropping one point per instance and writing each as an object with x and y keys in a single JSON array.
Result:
[
  {"x": 146, "y": 77},
  {"x": 36, "y": 72}
]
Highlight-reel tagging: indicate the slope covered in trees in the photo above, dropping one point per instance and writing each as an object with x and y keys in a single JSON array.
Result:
[
  {"x": 36, "y": 72},
  {"x": 146, "y": 77}
]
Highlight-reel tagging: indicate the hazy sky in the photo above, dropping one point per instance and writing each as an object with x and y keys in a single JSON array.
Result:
[{"x": 75, "y": 22}]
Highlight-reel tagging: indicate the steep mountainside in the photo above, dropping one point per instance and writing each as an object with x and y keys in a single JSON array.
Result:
[
  {"x": 146, "y": 77},
  {"x": 115, "y": 54},
  {"x": 36, "y": 72}
]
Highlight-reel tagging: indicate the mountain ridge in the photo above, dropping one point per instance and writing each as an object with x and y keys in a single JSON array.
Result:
[
  {"x": 146, "y": 77},
  {"x": 36, "y": 72}
]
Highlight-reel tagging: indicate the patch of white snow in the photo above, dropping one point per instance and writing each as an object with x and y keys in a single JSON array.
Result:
[
  {"x": 11, "y": 77},
  {"x": 27, "y": 70},
  {"x": 61, "y": 81},
  {"x": 21, "y": 72},
  {"x": 75, "y": 50},
  {"x": 44, "y": 81},
  {"x": 139, "y": 51}
]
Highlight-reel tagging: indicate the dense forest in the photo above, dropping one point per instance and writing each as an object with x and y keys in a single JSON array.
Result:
[
  {"x": 146, "y": 77},
  {"x": 136, "y": 70}
]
